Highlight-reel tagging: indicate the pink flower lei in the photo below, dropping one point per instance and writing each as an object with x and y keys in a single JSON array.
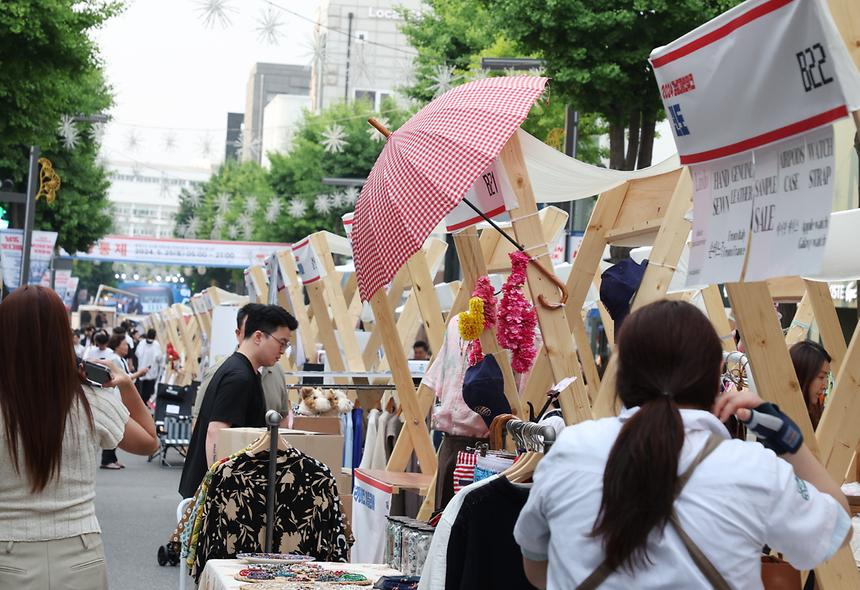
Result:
[{"x": 517, "y": 318}]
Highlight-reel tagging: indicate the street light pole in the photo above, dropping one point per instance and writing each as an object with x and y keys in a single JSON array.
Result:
[{"x": 29, "y": 215}]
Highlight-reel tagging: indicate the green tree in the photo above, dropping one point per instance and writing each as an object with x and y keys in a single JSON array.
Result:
[
  {"x": 49, "y": 67},
  {"x": 453, "y": 36},
  {"x": 296, "y": 177},
  {"x": 596, "y": 53}
]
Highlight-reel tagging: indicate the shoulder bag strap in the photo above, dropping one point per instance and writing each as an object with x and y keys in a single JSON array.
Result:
[{"x": 600, "y": 575}]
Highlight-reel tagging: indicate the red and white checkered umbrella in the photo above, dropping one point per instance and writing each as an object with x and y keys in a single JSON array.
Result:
[{"x": 428, "y": 165}]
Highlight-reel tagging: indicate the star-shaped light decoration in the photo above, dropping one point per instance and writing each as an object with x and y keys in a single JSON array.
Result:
[
  {"x": 164, "y": 186},
  {"x": 246, "y": 141},
  {"x": 350, "y": 195},
  {"x": 336, "y": 200},
  {"x": 132, "y": 141},
  {"x": 273, "y": 210},
  {"x": 478, "y": 74},
  {"x": 245, "y": 225},
  {"x": 233, "y": 232},
  {"x": 334, "y": 139},
  {"x": 374, "y": 133},
  {"x": 513, "y": 72},
  {"x": 269, "y": 27},
  {"x": 535, "y": 72},
  {"x": 442, "y": 79},
  {"x": 180, "y": 230},
  {"x": 219, "y": 222},
  {"x": 315, "y": 47},
  {"x": 206, "y": 146},
  {"x": 322, "y": 204},
  {"x": 169, "y": 141},
  {"x": 97, "y": 130},
  {"x": 192, "y": 227},
  {"x": 194, "y": 198},
  {"x": 68, "y": 132},
  {"x": 251, "y": 205},
  {"x": 215, "y": 12},
  {"x": 297, "y": 208},
  {"x": 136, "y": 170},
  {"x": 215, "y": 234},
  {"x": 222, "y": 202}
]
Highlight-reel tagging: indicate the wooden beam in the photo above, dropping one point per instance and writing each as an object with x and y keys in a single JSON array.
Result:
[
  {"x": 295, "y": 292},
  {"x": 413, "y": 418},
  {"x": 827, "y": 321},
  {"x": 774, "y": 374},
  {"x": 554, "y": 323},
  {"x": 802, "y": 322},
  {"x": 717, "y": 314}
]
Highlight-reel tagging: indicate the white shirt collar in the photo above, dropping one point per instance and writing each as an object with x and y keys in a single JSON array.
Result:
[{"x": 693, "y": 420}]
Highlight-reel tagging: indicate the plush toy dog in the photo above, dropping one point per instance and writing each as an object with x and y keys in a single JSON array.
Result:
[{"x": 318, "y": 402}]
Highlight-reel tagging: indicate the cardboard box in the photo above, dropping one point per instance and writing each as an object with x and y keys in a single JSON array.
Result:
[
  {"x": 324, "y": 424},
  {"x": 327, "y": 448},
  {"x": 344, "y": 482}
]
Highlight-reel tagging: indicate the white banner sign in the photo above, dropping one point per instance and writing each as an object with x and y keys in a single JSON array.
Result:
[
  {"x": 310, "y": 268},
  {"x": 71, "y": 291},
  {"x": 793, "y": 198},
  {"x": 764, "y": 71},
  {"x": 491, "y": 193},
  {"x": 61, "y": 281},
  {"x": 253, "y": 296},
  {"x": 371, "y": 503},
  {"x": 776, "y": 199},
  {"x": 181, "y": 252},
  {"x": 275, "y": 279},
  {"x": 347, "y": 225},
  {"x": 722, "y": 207},
  {"x": 11, "y": 248}
]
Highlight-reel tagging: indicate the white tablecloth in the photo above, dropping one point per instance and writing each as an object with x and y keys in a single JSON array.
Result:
[{"x": 218, "y": 573}]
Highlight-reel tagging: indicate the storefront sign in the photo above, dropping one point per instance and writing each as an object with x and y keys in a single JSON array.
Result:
[
  {"x": 181, "y": 252},
  {"x": 491, "y": 193},
  {"x": 310, "y": 268},
  {"x": 762, "y": 72},
  {"x": 11, "y": 248},
  {"x": 71, "y": 291}
]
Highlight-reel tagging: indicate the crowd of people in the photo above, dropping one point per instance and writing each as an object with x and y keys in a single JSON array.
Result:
[{"x": 636, "y": 498}]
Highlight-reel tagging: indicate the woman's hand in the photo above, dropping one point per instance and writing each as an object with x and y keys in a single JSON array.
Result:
[
  {"x": 118, "y": 378},
  {"x": 737, "y": 403}
]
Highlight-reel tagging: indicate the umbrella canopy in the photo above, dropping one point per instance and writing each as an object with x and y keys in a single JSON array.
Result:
[{"x": 428, "y": 165}]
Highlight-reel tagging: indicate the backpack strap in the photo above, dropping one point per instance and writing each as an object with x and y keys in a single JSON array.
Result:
[{"x": 599, "y": 575}]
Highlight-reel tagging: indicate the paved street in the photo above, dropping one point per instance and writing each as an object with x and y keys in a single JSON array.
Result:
[{"x": 136, "y": 508}]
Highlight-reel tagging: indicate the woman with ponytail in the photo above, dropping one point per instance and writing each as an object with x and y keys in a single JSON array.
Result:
[{"x": 660, "y": 496}]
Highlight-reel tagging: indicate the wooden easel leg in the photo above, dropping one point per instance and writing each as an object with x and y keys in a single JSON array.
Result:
[
  {"x": 828, "y": 322},
  {"x": 802, "y": 322}
]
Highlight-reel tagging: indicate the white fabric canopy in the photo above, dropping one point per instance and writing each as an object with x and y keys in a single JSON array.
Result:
[{"x": 558, "y": 178}]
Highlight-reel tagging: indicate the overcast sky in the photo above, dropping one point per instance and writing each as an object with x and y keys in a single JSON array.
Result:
[{"x": 175, "y": 78}]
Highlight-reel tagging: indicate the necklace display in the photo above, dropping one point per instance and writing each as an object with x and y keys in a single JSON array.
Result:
[{"x": 300, "y": 572}]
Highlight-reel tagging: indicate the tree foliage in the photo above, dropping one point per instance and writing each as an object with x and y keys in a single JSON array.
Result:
[
  {"x": 294, "y": 177},
  {"x": 457, "y": 34},
  {"x": 596, "y": 53},
  {"x": 49, "y": 67}
]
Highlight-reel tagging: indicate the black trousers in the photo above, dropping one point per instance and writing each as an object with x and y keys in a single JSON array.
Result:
[{"x": 146, "y": 388}]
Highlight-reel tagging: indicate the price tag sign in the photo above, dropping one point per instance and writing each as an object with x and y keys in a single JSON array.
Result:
[
  {"x": 310, "y": 268},
  {"x": 491, "y": 193},
  {"x": 791, "y": 213}
]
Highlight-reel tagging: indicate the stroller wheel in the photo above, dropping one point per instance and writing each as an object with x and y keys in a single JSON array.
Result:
[{"x": 162, "y": 556}]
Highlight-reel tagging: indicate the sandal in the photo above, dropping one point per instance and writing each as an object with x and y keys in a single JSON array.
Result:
[{"x": 111, "y": 466}]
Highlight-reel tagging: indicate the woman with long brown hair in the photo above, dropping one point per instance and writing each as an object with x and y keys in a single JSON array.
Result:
[
  {"x": 660, "y": 496},
  {"x": 51, "y": 426},
  {"x": 812, "y": 365}
]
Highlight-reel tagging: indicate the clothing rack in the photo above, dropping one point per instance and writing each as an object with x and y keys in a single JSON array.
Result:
[
  {"x": 528, "y": 434},
  {"x": 273, "y": 421}
]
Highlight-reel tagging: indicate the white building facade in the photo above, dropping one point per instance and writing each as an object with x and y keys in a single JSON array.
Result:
[
  {"x": 145, "y": 198},
  {"x": 372, "y": 63}
]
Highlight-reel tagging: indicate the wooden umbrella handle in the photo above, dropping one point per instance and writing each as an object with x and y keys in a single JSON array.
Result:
[
  {"x": 379, "y": 126},
  {"x": 554, "y": 280}
]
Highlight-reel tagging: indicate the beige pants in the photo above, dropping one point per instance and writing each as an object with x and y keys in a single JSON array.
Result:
[{"x": 76, "y": 563}]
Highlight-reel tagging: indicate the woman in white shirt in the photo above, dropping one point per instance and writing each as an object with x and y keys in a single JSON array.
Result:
[
  {"x": 609, "y": 507},
  {"x": 51, "y": 427}
]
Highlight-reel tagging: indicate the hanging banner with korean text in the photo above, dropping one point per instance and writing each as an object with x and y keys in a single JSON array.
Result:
[
  {"x": 761, "y": 72},
  {"x": 491, "y": 193},
  {"x": 11, "y": 249},
  {"x": 309, "y": 266}
]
